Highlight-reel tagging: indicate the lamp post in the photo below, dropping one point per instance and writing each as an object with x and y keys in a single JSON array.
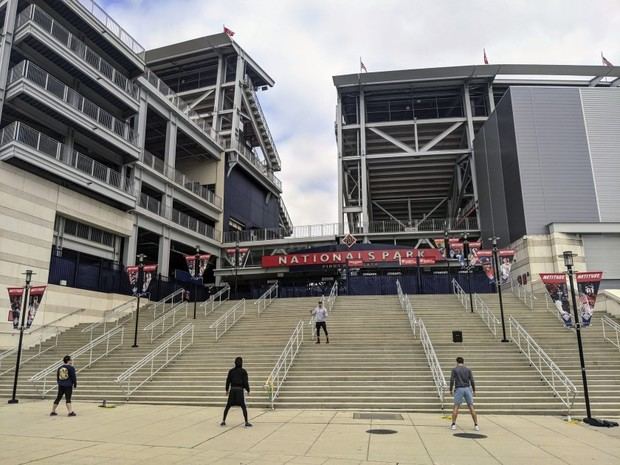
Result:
[
  {"x": 236, "y": 262},
  {"x": 466, "y": 256},
  {"x": 196, "y": 271},
  {"x": 22, "y": 322},
  {"x": 141, "y": 258},
  {"x": 568, "y": 262},
  {"x": 446, "y": 250},
  {"x": 497, "y": 286}
]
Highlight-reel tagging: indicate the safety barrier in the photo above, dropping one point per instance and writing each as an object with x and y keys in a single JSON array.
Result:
[
  {"x": 228, "y": 319},
  {"x": 216, "y": 300},
  {"x": 116, "y": 316},
  {"x": 405, "y": 304},
  {"x": 172, "y": 300},
  {"x": 489, "y": 318},
  {"x": 285, "y": 361},
  {"x": 611, "y": 331},
  {"x": 433, "y": 362},
  {"x": 266, "y": 299},
  {"x": 460, "y": 294},
  {"x": 168, "y": 320},
  {"x": 88, "y": 350},
  {"x": 555, "y": 378},
  {"x": 153, "y": 360}
]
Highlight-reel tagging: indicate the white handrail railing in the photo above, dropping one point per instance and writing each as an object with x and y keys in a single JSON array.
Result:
[
  {"x": 163, "y": 349},
  {"x": 117, "y": 313},
  {"x": 172, "y": 299},
  {"x": 331, "y": 299},
  {"x": 266, "y": 299},
  {"x": 228, "y": 319},
  {"x": 489, "y": 318},
  {"x": 460, "y": 294},
  {"x": 557, "y": 380},
  {"x": 405, "y": 304},
  {"x": 433, "y": 362},
  {"x": 43, "y": 375},
  {"x": 216, "y": 300},
  {"x": 163, "y": 322},
  {"x": 285, "y": 361},
  {"x": 614, "y": 328}
]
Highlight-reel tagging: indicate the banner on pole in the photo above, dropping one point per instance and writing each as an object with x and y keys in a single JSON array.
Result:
[
  {"x": 133, "y": 272},
  {"x": 588, "y": 284},
  {"x": 203, "y": 261},
  {"x": 241, "y": 259},
  {"x": 440, "y": 243},
  {"x": 35, "y": 296},
  {"x": 555, "y": 283},
  {"x": 16, "y": 294}
]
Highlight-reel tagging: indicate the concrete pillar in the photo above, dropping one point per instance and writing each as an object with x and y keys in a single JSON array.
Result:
[
  {"x": 131, "y": 245},
  {"x": 6, "y": 44},
  {"x": 68, "y": 144},
  {"x": 170, "y": 154},
  {"x": 163, "y": 257},
  {"x": 140, "y": 121}
]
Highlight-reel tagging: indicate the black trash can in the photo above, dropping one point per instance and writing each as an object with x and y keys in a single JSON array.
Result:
[{"x": 457, "y": 336}]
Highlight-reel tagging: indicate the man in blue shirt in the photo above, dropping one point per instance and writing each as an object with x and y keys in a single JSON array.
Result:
[{"x": 66, "y": 380}]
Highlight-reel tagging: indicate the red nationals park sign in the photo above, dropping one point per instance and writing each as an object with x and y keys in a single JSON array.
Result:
[{"x": 336, "y": 258}]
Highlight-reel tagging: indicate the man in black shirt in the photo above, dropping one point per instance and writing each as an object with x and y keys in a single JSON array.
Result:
[
  {"x": 236, "y": 382},
  {"x": 66, "y": 380},
  {"x": 463, "y": 386}
]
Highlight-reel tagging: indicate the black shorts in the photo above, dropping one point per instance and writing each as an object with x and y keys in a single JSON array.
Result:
[
  {"x": 236, "y": 397},
  {"x": 319, "y": 325},
  {"x": 64, "y": 391}
]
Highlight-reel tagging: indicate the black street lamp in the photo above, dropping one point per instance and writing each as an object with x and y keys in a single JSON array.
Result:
[
  {"x": 196, "y": 272},
  {"x": 466, "y": 256},
  {"x": 446, "y": 249},
  {"x": 140, "y": 280},
  {"x": 417, "y": 260},
  {"x": 22, "y": 323},
  {"x": 498, "y": 287},
  {"x": 568, "y": 262},
  {"x": 236, "y": 262}
]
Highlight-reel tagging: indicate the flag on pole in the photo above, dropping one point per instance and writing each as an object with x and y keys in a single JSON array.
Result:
[
  {"x": 229, "y": 32},
  {"x": 362, "y": 66},
  {"x": 605, "y": 61},
  {"x": 486, "y": 60}
]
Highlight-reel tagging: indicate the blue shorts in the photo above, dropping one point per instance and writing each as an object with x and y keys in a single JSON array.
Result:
[{"x": 461, "y": 393}]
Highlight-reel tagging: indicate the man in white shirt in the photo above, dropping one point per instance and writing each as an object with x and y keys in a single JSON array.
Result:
[{"x": 320, "y": 317}]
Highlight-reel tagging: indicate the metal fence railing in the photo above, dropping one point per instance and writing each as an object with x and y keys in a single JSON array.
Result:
[
  {"x": 111, "y": 318},
  {"x": 460, "y": 294},
  {"x": 489, "y": 318},
  {"x": 555, "y": 378},
  {"x": 405, "y": 304},
  {"x": 611, "y": 331},
  {"x": 331, "y": 298},
  {"x": 171, "y": 300},
  {"x": 156, "y": 360},
  {"x": 228, "y": 319},
  {"x": 266, "y": 299},
  {"x": 168, "y": 320},
  {"x": 433, "y": 362},
  {"x": 215, "y": 300},
  {"x": 285, "y": 361},
  {"x": 94, "y": 350},
  {"x": 194, "y": 224}
]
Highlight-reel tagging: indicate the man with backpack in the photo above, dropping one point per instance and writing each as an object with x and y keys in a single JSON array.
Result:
[{"x": 66, "y": 380}]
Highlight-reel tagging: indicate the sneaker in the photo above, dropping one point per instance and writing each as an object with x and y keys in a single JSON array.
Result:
[
  {"x": 72, "y": 414},
  {"x": 53, "y": 414},
  {"x": 476, "y": 427},
  {"x": 223, "y": 423},
  {"x": 318, "y": 342},
  {"x": 452, "y": 426},
  {"x": 248, "y": 425}
]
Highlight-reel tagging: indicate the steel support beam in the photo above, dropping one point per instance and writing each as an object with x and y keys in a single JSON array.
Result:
[
  {"x": 363, "y": 167},
  {"x": 440, "y": 137},
  {"x": 341, "y": 193},
  {"x": 470, "y": 137},
  {"x": 376, "y": 204},
  {"x": 394, "y": 141}
]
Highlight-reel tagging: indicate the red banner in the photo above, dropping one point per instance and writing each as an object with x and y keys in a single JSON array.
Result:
[
  {"x": 587, "y": 287},
  {"x": 335, "y": 258},
  {"x": 35, "y": 296},
  {"x": 203, "y": 261},
  {"x": 558, "y": 292},
  {"x": 132, "y": 273},
  {"x": 16, "y": 294}
]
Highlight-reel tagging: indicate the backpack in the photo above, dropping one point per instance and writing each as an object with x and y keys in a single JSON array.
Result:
[{"x": 63, "y": 373}]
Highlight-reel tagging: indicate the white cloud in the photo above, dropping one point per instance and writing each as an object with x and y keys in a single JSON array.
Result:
[{"x": 302, "y": 44}]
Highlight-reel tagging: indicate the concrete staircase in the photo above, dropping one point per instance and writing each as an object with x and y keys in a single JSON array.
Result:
[
  {"x": 504, "y": 380},
  {"x": 372, "y": 362},
  {"x": 602, "y": 358}
]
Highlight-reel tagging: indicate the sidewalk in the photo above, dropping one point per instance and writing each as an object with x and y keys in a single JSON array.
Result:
[{"x": 153, "y": 435}]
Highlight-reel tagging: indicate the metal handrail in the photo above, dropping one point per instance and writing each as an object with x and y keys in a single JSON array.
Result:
[
  {"x": 163, "y": 322},
  {"x": 116, "y": 311},
  {"x": 266, "y": 299},
  {"x": 228, "y": 319},
  {"x": 285, "y": 361},
  {"x": 460, "y": 294},
  {"x": 42, "y": 375},
  {"x": 331, "y": 299},
  {"x": 489, "y": 318},
  {"x": 405, "y": 304},
  {"x": 557, "y": 380},
  {"x": 217, "y": 297},
  {"x": 125, "y": 377},
  {"x": 174, "y": 299},
  {"x": 433, "y": 362},
  {"x": 614, "y": 327}
]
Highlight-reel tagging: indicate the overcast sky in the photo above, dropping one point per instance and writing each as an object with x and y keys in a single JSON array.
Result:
[{"x": 303, "y": 43}]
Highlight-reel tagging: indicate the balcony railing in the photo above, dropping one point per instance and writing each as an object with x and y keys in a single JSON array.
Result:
[
  {"x": 31, "y": 72},
  {"x": 67, "y": 39},
  {"x": 151, "y": 204},
  {"x": 181, "y": 179},
  {"x": 19, "y": 132},
  {"x": 181, "y": 105},
  {"x": 189, "y": 222},
  {"x": 113, "y": 26},
  {"x": 333, "y": 229},
  {"x": 250, "y": 155}
]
